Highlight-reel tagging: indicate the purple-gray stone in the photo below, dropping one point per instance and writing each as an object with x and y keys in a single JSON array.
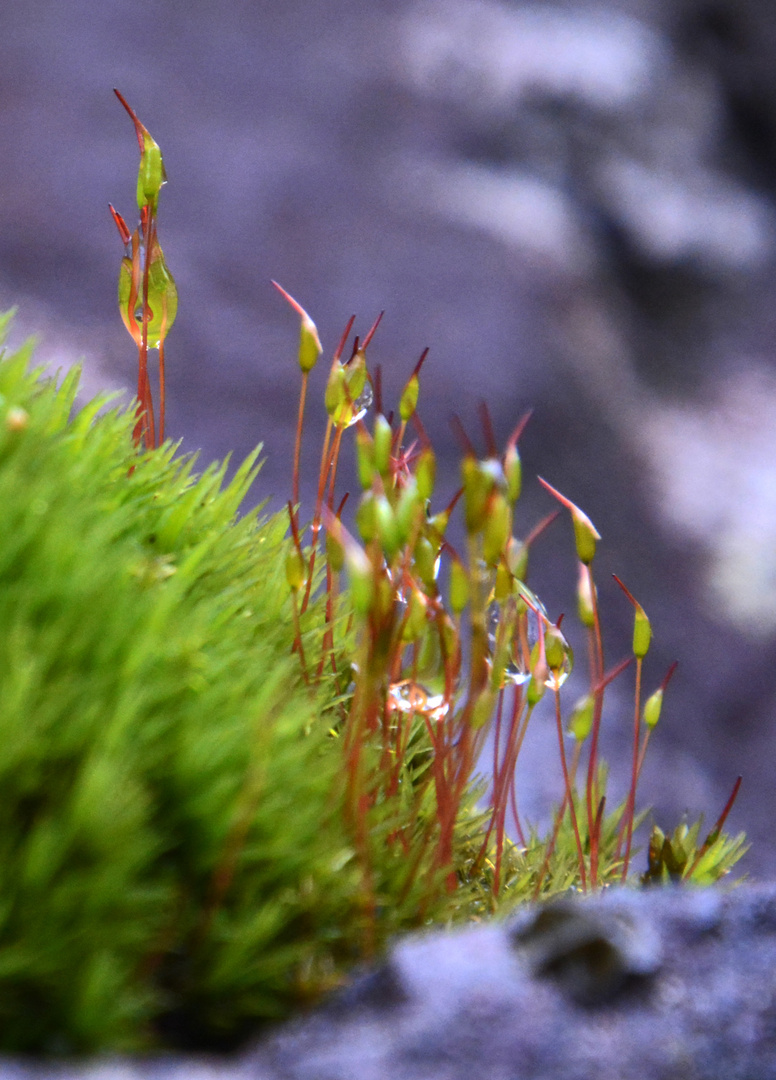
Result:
[{"x": 660, "y": 984}]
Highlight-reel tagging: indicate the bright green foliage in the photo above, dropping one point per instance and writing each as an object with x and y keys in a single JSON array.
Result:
[
  {"x": 170, "y": 854},
  {"x": 554, "y": 865},
  {"x": 681, "y": 858}
]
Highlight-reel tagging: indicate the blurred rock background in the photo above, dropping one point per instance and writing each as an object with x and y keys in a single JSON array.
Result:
[{"x": 573, "y": 204}]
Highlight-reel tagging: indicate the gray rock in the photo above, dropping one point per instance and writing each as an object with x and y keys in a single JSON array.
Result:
[
  {"x": 653, "y": 985},
  {"x": 660, "y": 984}
]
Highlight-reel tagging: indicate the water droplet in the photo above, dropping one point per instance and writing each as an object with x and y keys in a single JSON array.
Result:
[
  {"x": 360, "y": 405},
  {"x": 516, "y": 671},
  {"x": 410, "y": 697},
  {"x": 560, "y": 658},
  {"x": 494, "y": 618},
  {"x": 515, "y": 675},
  {"x": 556, "y": 679},
  {"x": 559, "y": 673}
]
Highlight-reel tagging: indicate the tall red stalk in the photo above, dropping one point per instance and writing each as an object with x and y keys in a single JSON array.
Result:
[
  {"x": 597, "y": 670},
  {"x": 569, "y": 792},
  {"x": 630, "y": 807}
]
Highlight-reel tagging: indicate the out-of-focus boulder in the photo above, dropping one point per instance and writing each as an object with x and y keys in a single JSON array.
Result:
[{"x": 639, "y": 986}]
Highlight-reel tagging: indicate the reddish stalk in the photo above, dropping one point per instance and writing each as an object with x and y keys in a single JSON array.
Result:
[
  {"x": 466, "y": 745},
  {"x": 460, "y": 765},
  {"x": 515, "y": 815},
  {"x": 316, "y": 526},
  {"x": 575, "y": 763},
  {"x": 537, "y": 530},
  {"x": 600, "y": 687},
  {"x": 569, "y": 794},
  {"x": 595, "y": 841},
  {"x": 298, "y": 647},
  {"x": 517, "y": 731},
  {"x": 503, "y": 779},
  {"x": 144, "y": 427},
  {"x": 335, "y": 453},
  {"x": 497, "y": 746},
  {"x": 550, "y": 848},
  {"x": 323, "y": 475},
  {"x": 298, "y": 440},
  {"x": 145, "y": 221},
  {"x": 332, "y": 580},
  {"x": 643, "y": 753},
  {"x": 597, "y": 668},
  {"x": 630, "y": 806},
  {"x": 162, "y": 400},
  {"x": 497, "y": 799},
  {"x": 309, "y": 332},
  {"x": 715, "y": 832}
]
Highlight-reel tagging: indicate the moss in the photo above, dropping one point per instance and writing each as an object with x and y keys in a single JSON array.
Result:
[
  {"x": 227, "y": 774},
  {"x": 168, "y": 833}
]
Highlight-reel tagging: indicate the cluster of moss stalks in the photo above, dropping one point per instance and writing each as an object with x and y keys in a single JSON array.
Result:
[
  {"x": 174, "y": 865},
  {"x": 226, "y": 776},
  {"x": 170, "y": 852}
]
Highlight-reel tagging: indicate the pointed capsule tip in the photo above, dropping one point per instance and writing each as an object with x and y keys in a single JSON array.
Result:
[
  {"x": 139, "y": 129},
  {"x": 421, "y": 362},
  {"x": 487, "y": 429},
  {"x": 520, "y": 428},
  {"x": 343, "y": 340},
  {"x": 460, "y": 433},
  {"x": 121, "y": 225},
  {"x": 294, "y": 303},
  {"x": 372, "y": 330},
  {"x": 669, "y": 674},
  {"x": 554, "y": 491},
  {"x": 627, "y": 592}
]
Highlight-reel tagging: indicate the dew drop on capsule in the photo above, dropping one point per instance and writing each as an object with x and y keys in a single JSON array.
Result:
[{"x": 360, "y": 405}]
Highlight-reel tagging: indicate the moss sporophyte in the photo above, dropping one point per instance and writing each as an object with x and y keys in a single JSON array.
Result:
[
  {"x": 240, "y": 752},
  {"x": 148, "y": 298}
]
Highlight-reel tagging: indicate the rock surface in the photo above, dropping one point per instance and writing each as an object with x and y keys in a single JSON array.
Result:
[{"x": 653, "y": 985}]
